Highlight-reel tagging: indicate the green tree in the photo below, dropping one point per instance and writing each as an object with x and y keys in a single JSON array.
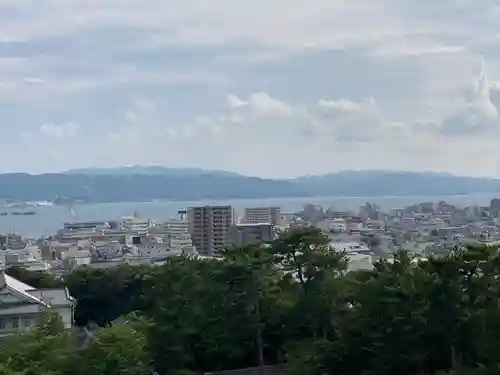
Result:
[
  {"x": 31, "y": 354},
  {"x": 49, "y": 324},
  {"x": 201, "y": 309},
  {"x": 36, "y": 279},
  {"x": 106, "y": 294},
  {"x": 306, "y": 255},
  {"x": 264, "y": 297},
  {"x": 290, "y": 299},
  {"x": 305, "y": 252},
  {"x": 467, "y": 288},
  {"x": 117, "y": 350}
]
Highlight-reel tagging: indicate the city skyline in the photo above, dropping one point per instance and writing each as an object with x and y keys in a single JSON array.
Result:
[{"x": 269, "y": 89}]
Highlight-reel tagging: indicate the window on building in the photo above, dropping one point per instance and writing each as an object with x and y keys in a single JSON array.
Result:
[
  {"x": 15, "y": 322},
  {"x": 2, "y": 324},
  {"x": 26, "y": 322}
]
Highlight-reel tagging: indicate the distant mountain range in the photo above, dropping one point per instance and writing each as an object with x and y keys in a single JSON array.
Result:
[
  {"x": 151, "y": 170},
  {"x": 158, "y": 183}
]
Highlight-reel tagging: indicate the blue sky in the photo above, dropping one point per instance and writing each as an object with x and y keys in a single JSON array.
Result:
[{"x": 267, "y": 88}]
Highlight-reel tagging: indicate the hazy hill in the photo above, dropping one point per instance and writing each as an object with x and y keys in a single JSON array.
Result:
[
  {"x": 378, "y": 183},
  {"x": 149, "y": 183},
  {"x": 141, "y": 187},
  {"x": 149, "y": 170}
]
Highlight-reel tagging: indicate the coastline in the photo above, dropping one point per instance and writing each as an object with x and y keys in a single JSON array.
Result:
[
  {"x": 25, "y": 204},
  {"x": 49, "y": 219}
]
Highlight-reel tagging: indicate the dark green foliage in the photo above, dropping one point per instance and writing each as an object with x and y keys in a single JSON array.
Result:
[
  {"x": 36, "y": 279},
  {"x": 117, "y": 350},
  {"x": 104, "y": 295},
  {"x": 288, "y": 301}
]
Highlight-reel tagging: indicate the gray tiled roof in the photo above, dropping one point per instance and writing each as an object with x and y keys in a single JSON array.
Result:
[{"x": 54, "y": 297}]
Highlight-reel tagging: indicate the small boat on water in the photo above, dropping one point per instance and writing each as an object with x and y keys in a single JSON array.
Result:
[{"x": 23, "y": 213}]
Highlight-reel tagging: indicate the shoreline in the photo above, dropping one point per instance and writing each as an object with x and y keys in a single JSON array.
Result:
[{"x": 26, "y": 205}]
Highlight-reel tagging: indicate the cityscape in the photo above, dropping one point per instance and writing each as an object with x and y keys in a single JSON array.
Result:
[
  {"x": 254, "y": 187},
  {"x": 366, "y": 235}
]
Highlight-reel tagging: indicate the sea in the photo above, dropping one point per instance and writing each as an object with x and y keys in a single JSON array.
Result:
[{"x": 48, "y": 220}]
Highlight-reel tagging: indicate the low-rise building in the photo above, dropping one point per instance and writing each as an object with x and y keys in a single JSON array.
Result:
[
  {"x": 75, "y": 258},
  {"x": 257, "y": 215},
  {"x": 135, "y": 224},
  {"x": 21, "y": 305},
  {"x": 248, "y": 233},
  {"x": 350, "y": 247},
  {"x": 357, "y": 262},
  {"x": 29, "y": 258}
]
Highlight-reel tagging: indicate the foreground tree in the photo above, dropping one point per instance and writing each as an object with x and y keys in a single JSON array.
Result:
[
  {"x": 305, "y": 252},
  {"x": 415, "y": 317},
  {"x": 36, "y": 279},
  {"x": 290, "y": 300},
  {"x": 104, "y": 295},
  {"x": 204, "y": 311},
  {"x": 33, "y": 353},
  {"x": 117, "y": 350}
]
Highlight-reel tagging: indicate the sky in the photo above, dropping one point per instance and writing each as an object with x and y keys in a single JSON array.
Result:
[{"x": 268, "y": 88}]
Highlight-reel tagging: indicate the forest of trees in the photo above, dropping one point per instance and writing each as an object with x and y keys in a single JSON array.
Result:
[{"x": 290, "y": 301}]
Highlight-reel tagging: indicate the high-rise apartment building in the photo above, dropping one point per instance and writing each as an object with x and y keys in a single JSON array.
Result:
[
  {"x": 209, "y": 226},
  {"x": 258, "y": 215}
]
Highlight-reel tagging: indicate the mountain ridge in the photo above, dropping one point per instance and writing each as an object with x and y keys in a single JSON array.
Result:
[
  {"x": 138, "y": 183},
  {"x": 148, "y": 170}
]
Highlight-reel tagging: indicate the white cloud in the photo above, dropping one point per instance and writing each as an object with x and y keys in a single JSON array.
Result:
[
  {"x": 279, "y": 23},
  {"x": 131, "y": 116},
  {"x": 265, "y": 105},
  {"x": 346, "y": 106},
  {"x": 292, "y": 69},
  {"x": 235, "y": 102},
  {"x": 290, "y": 24},
  {"x": 346, "y": 120},
  {"x": 95, "y": 40},
  {"x": 258, "y": 105},
  {"x": 59, "y": 132},
  {"x": 475, "y": 113},
  {"x": 142, "y": 111},
  {"x": 153, "y": 131}
]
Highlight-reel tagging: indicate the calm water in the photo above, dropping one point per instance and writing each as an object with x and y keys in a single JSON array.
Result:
[{"x": 49, "y": 219}]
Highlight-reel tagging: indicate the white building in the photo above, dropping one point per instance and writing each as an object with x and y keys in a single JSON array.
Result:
[
  {"x": 357, "y": 262},
  {"x": 258, "y": 215},
  {"x": 155, "y": 251},
  {"x": 28, "y": 258},
  {"x": 177, "y": 231},
  {"x": 75, "y": 257},
  {"x": 135, "y": 224},
  {"x": 21, "y": 305},
  {"x": 286, "y": 219},
  {"x": 350, "y": 247},
  {"x": 333, "y": 225}
]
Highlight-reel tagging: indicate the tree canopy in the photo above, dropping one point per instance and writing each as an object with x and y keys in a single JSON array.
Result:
[{"x": 289, "y": 302}]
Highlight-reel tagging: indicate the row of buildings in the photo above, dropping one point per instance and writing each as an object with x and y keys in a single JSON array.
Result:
[
  {"x": 198, "y": 230},
  {"x": 212, "y": 228},
  {"x": 205, "y": 231}
]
